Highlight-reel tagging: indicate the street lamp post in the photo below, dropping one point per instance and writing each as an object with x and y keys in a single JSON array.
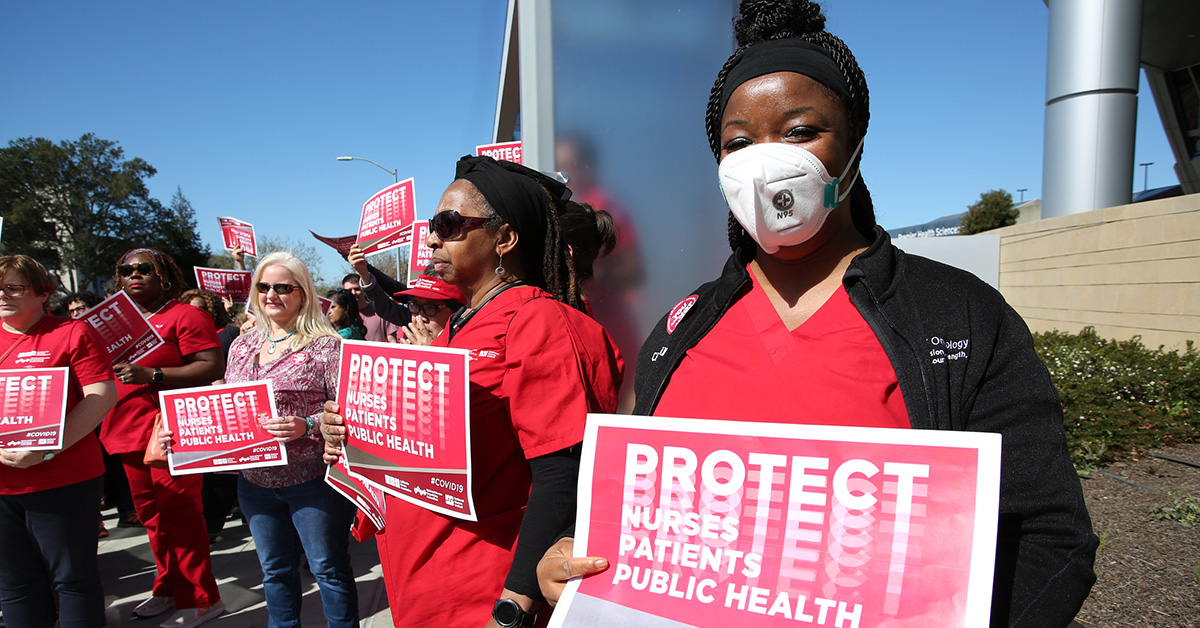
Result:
[
  {"x": 395, "y": 179},
  {"x": 1022, "y": 191},
  {"x": 1145, "y": 174}
]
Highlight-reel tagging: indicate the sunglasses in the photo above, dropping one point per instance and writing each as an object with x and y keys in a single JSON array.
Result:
[
  {"x": 143, "y": 269},
  {"x": 451, "y": 224},
  {"x": 429, "y": 309},
  {"x": 279, "y": 288}
]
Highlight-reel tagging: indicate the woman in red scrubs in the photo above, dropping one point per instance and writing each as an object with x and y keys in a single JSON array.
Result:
[
  {"x": 169, "y": 506},
  {"x": 818, "y": 319},
  {"x": 48, "y": 567},
  {"x": 539, "y": 365}
]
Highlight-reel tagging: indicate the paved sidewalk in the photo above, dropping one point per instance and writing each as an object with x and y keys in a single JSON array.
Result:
[{"x": 127, "y": 569}]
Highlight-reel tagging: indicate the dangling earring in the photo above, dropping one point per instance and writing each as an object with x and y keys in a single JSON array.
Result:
[{"x": 500, "y": 270}]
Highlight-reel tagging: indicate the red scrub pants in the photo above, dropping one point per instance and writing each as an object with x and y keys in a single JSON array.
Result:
[{"x": 171, "y": 509}]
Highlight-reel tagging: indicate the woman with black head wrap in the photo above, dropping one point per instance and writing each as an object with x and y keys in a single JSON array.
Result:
[
  {"x": 818, "y": 319},
  {"x": 540, "y": 365}
]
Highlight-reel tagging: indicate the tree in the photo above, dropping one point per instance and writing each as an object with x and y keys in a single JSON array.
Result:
[
  {"x": 76, "y": 206},
  {"x": 306, "y": 252},
  {"x": 993, "y": 210},
  {"x": 178, "y": 237}
]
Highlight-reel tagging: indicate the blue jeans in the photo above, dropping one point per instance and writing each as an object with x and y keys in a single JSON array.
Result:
[
  {"x": 316, "y": 518},
  {"x": 49, "y": 557}
]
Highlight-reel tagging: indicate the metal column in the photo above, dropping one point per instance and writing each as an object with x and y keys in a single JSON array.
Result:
[{"x": 1091, "y": 104}]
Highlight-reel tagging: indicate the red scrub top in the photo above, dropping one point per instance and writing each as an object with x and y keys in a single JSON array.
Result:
[
  {"x": 185, "y": 330},
  {"x": 831, "y": 370},
  {"x": 537, "y": 368},
  {"x": 54, "y": 342}
]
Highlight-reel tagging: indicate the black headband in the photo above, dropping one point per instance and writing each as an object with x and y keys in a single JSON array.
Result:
[
  {"x": 518, "y": 195},
  {"x": 785, "y": 55}
]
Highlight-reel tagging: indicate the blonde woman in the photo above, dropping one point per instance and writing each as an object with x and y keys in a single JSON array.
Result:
[{"x": 293, "y": 345}]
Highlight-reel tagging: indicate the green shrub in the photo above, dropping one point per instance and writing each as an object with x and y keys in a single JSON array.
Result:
[
  {"x": 1120, "y": 397},
  {"x": 1185, "y": 510}
]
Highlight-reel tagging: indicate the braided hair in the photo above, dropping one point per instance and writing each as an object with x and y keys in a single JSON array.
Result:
[
  {"x": 766, "y": 20},
  {"x": 590, "y": 233}
]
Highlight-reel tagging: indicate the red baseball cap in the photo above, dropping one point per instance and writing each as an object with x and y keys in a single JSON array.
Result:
[{"x": 428, "y": 287}]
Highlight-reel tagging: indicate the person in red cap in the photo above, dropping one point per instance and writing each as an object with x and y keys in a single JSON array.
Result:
[{"x": 432, "y": 302}]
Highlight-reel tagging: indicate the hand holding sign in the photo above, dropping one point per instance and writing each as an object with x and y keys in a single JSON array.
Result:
[
  {"x": 21, "y": 459},
  {"x": 333, "y": 429},
  {"x": 559, "y": 565},
  {"x": 286, "y": 428}
]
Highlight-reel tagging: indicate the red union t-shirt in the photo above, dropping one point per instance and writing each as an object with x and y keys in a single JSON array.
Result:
[
  {"x": 55, "y": 342},
  {"x": 831, "y": 370},
  {"x": 537, "y": 368},
  {"x": 185, "y": 330}
]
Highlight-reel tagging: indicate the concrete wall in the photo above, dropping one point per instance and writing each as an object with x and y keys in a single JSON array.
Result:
[{"x": 1127, "y": 270}]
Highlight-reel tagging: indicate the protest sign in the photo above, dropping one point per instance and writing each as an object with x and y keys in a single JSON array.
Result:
[
  {"x": 238, "y": 233},
  {"x": 367, "y": 497},
  {"x": 408, "y": 422},
  {"x": 508, "y": 151},
  {"x": 34, "y": 409},
  {"x": 220, "y": 428},
  {"x": 234, "y": 284},
  {"x": 724, "y": 523},
  {"x": 420, "y": 256},
  {"x": 341, "y": 245},
  {"x": 385, "y": 217},
  {"x": 127, "y": 335},
  {"x": 324, "y": 303}
]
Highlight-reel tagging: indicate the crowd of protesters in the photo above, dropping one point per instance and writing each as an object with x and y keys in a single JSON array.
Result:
[{"x": 512, "y": 252}]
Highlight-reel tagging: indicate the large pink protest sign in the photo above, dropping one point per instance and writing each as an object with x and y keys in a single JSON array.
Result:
[
  {"x": 220, "y": 428},
  {"x": 34, "y": 408},
  {"x": 238, "y": 233},
  {"x": 127, "y": 335},
  {"x": 385, "y": 218},
  {"x": 364, "y": 495},
  {"x": 722, "y": 523},
  {"x": 234, "y": 284},
  {"x": 341, "y": 245},
  {"x": 420, "y": 256},
  {"x": 508, "y": 151},
  {"x": 408, "y": 422}
]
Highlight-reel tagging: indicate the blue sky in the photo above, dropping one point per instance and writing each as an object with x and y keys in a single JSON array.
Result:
[{"x": 246, "y": 105}]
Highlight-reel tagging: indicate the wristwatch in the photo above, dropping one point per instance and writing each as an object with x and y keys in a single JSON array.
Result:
[
  {"x": 509, "y": 614},
  {"x": 158, "y": 375}
]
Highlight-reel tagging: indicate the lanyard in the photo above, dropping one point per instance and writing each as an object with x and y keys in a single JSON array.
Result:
[{"x": 463, "y": 315}]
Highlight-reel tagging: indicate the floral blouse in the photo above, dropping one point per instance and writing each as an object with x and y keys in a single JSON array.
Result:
[{"x": 303, "y": 381}]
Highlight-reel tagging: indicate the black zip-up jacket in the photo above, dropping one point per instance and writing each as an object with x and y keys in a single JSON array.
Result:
[{"x": 965, "y": 361}]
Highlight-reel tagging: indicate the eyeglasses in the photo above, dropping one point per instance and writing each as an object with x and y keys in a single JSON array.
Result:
[
  {"x": 14, "y": 289},
  {"x": 429, "y": 310},
  {"x": 143, "y": 269},
  {"x": 449, "y": 225},
  {"x": 78, "y": 309},
  {"x": 279, "y": 288}
]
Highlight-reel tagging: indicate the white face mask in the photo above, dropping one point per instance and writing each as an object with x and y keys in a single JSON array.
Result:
[{"x": 780, "y": 193}]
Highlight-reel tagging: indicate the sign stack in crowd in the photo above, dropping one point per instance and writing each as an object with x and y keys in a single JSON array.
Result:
[{"x": 830, "y": 433}]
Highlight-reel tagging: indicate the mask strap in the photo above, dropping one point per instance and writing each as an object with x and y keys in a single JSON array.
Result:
[{"x": 833, "y": 194}]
